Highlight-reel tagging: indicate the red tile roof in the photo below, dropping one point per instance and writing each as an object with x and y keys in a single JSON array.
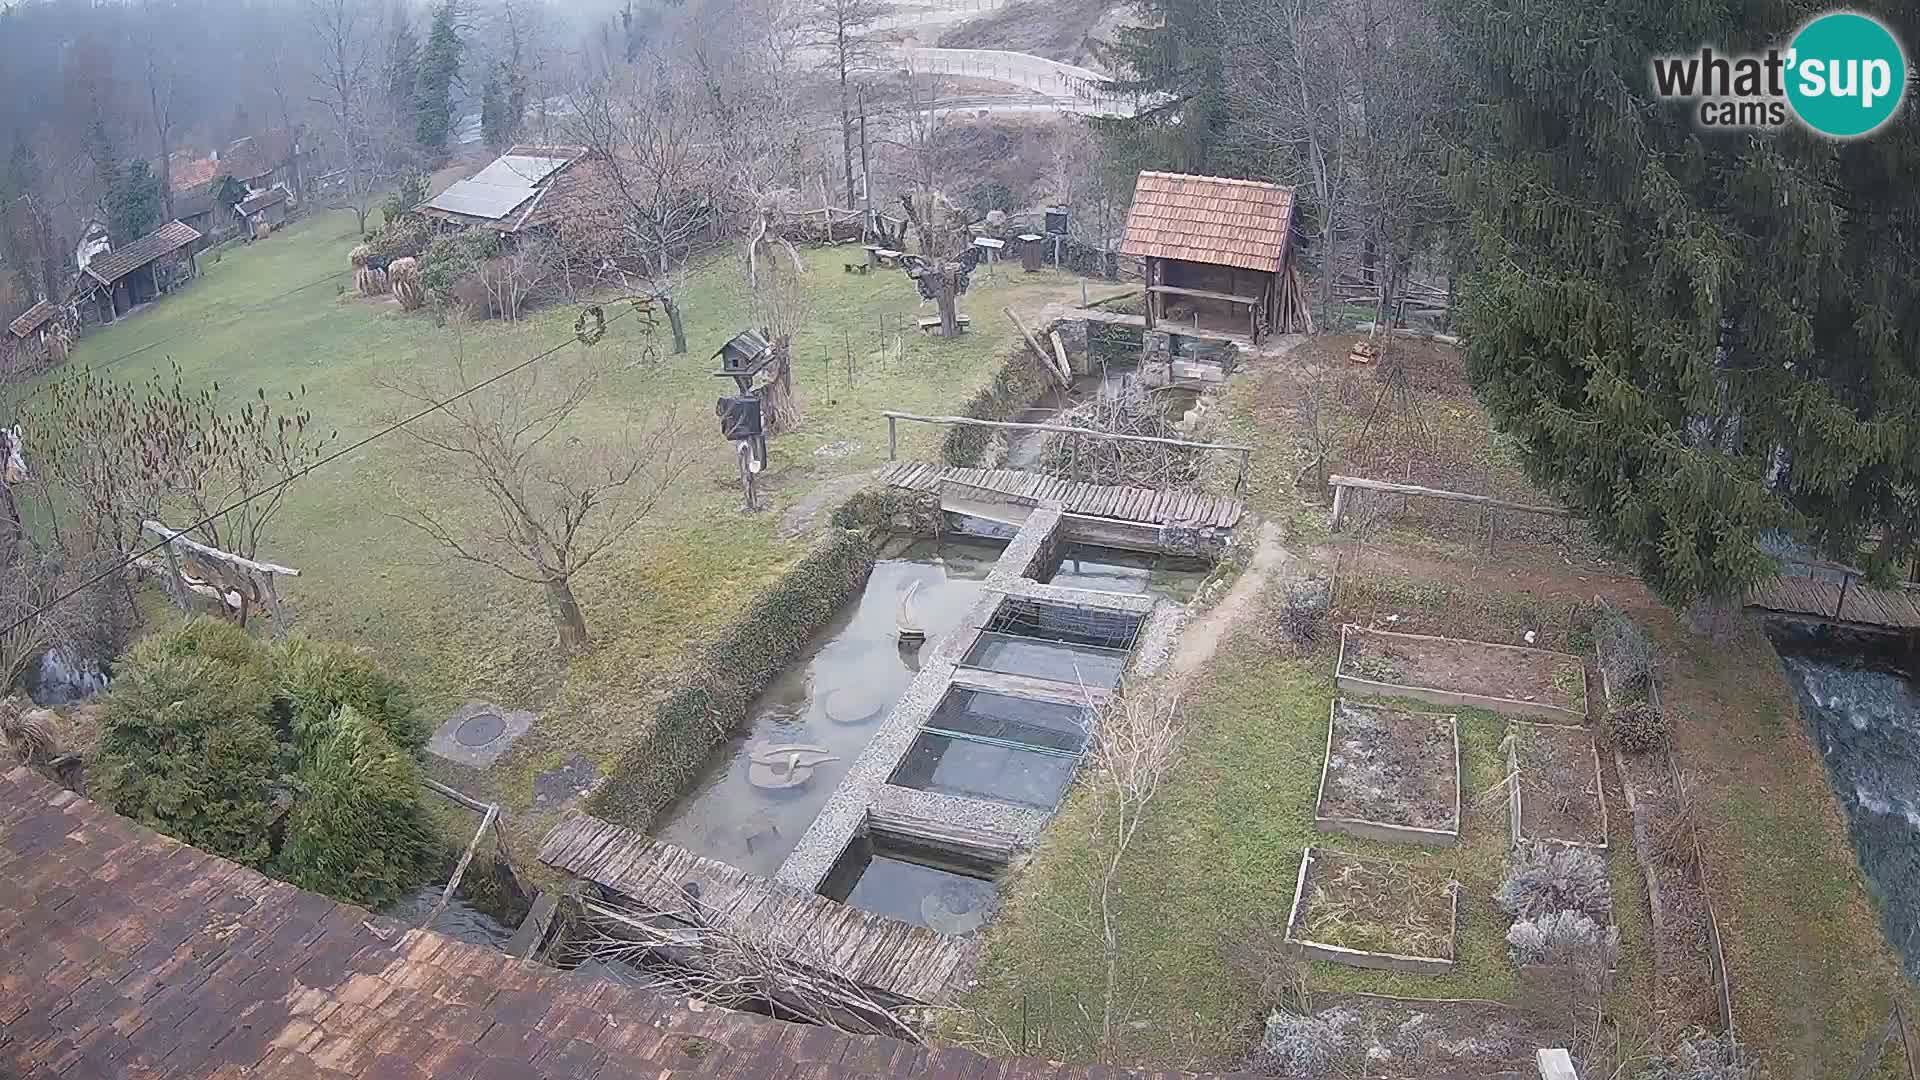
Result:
[
  {"x": 127, "y": 954},
  {"x": 1209, "y": 219},
  {"x": 187, "y": 173},
  {"x": 161, "y": 242}
]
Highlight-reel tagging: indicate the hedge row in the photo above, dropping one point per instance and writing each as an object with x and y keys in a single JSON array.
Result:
[
  {"x": 712, "y": 700},
  {"x": 1019, "y": 384},
  {"x": 891, "y": 509}
]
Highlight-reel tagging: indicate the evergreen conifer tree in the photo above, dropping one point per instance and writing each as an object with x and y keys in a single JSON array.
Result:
[
  {"x": 439, "y": 67},
  {"x": 1699, "y": 340}
]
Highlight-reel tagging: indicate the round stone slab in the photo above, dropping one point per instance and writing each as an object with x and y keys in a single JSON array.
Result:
[{"x": 478, "y": 733}]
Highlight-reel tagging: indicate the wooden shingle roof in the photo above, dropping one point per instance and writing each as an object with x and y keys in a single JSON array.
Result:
[
  {"x": 255, "y": 203},
  {"x": 161, "y": 242},
  {"x": 1209, "y": 219},
  {"x": 126, "y": 954},
  {"x": 33, "y": 318}
]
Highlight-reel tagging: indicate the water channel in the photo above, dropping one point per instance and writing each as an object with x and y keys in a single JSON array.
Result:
[
  {"x": 755, "y": 798},
  {"x": 1862, "y": 708}
]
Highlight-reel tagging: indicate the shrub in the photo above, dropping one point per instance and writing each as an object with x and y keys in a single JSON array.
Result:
[
  {"x": 454, "y": 257},
  {"x": 185, "y": 742},
  {"x": 890, "y": 508},
  {"x": 410, "y": 192},
  {"x": 1544, "y": 878},
  {"x": 1563, "y": 937},
  {"x": 712, "y": 700},
  {"x": 1637, "y": 728},
  {"x": 1303, "y": 1047},
  {"x": 358, "y": 831},
  {"x": 399, "y": 238},
  {"x": 1701, "y": 1056},
  {"x": 319, "y": 678}
]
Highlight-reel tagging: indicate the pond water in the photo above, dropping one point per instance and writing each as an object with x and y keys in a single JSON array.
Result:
[
  {"x": 912, "y": 885},
  {"x": 1084, "y": 566},
  {"x": 830, "y": 700},
  {"x": 460, "y": 921},
  {"x": 1863, "y": 711}
]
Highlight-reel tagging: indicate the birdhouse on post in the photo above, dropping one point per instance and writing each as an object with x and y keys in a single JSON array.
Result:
[
  {"x": 747, "y": 354},
  {"x": 1030, "y": 251}
]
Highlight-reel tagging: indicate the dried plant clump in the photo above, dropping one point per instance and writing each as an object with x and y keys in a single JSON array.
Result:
[
  {"x": 1545, "y": 878},
  {"x": 1638, "y": 728},
  {"x": 1564, "y": 937},
  {"x": 1304, "y": 1047},
  {"x": 1701, "y": 1056}
]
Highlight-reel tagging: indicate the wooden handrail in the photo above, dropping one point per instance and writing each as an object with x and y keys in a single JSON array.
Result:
[
  {"x": 1338, "y": 482},
  {"x": 1062, "y": 429}
]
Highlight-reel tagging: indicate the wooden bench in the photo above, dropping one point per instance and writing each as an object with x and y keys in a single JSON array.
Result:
[{"x": 931, "y": 324}]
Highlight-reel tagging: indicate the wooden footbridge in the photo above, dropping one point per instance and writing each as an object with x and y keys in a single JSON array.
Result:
[
  {"x": 909, "y": 963},
  {"x": 1845, "y": 602},
  {"x": 1145, "y": 506}
]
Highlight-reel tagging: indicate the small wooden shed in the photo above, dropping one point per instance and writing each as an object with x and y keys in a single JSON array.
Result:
[
  {"x": 1218, "y": 253},
  {"x": 125, "y": 277}
]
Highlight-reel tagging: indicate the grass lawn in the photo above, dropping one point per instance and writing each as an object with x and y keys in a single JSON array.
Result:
[{"x": 462, "y": 632}]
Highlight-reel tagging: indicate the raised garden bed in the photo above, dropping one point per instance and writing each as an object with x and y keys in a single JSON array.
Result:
[
  {"x": 1374, "y": 913},
  {"x": 1557, "y": 791},
  {"x": 1390, "y": 774},
  {"x": 1449, "y": 671}
]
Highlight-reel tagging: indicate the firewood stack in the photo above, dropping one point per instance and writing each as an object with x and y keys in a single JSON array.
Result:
[{"x": 1364, "y": 352}]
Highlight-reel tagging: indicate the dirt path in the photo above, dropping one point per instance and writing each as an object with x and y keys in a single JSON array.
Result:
[{"x": 1202, "y": 639}]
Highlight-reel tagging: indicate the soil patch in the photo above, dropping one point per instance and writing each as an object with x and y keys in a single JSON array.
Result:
[
  {"x": 1385, "y": 907},
  {"x": 1391, "y": 767},
  {"x": 1683, "y": 988},
  {"x": 1558, "y": 785},
  {"x": 1476, "y": 668}
]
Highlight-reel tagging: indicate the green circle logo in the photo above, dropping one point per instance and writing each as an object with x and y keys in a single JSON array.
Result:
[{"x": 1846, "y": 74}]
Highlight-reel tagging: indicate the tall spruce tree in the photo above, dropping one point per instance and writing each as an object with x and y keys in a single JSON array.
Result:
[
  {"x": 439, "y": 67},
  {"x": 403, "y": 57},
  {"x": 1697, "y": 339},
  {"x": 1173, "y": 62},
  {"x": 493, "y": 110}
]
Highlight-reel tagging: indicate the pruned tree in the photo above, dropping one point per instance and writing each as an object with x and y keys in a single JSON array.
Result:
[
  {"x": 550, "y": 501},
  {"x": 942, "y": 231},
  {"x": 778, "y": 302}
]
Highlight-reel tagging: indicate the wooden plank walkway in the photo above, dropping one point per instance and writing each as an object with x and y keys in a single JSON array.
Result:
[
  {"x": 909, "y": 962},
  {"x": 1830, "y": 601},
  {"x": 1143, "y": 505}
]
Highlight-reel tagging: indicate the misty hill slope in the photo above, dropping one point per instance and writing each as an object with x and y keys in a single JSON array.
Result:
[{"x": 1056, "y": 29}]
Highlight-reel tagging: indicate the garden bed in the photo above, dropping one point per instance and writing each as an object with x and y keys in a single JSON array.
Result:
[
  {"x": 1390, "y": 774},
  {"x": 1449, "y": 671},
  {"x": 1374, "y": 913},
  {"x": 1557, "y": 790}
]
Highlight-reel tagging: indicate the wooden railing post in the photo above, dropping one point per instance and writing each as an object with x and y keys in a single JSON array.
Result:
[
  {"x": 1246, "y": 460},
  {"x": 893, "y": 433},
  {"x": 1339, "y": 506}
]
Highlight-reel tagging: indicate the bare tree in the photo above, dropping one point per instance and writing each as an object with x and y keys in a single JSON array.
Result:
[
  {"x": 1135, "y": 743},
  {"x": 777, "y": 299},
  {"x": 165, "y": 90},
  {"x": 843, "y": 30},
  {"x": 1314, "y": 109},
  {"x": 346, "y": 39},
  {"x": 551, "y": 502},
  {"x": 942, "y": 233}
]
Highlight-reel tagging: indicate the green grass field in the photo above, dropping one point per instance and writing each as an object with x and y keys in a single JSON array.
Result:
[{"x": 281, "y": 314}]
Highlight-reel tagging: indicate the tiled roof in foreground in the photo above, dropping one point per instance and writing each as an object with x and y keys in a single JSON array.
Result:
[{"x": 127, "y": 954}]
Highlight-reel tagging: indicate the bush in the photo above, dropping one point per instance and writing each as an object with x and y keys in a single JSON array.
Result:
[
  {"x": 1019, "y": 383},
  {"x": 1701, "y": 1056},
  {"x": 1303, "y": 1047},
  {"x": 731, "y": 671},
  {"x": 1544, "y": 878},
  {"x": 1638, "y": 728},
  {"x": 890, "y": 509},
  {"x": 409, "y": 193},
  {"x": 399, "y": 238},
  {"x": 358, "y": 831},
  {"x": 453, "y": 257},
  {"x": 319, "y": 678},
  {"x": 207, "y": 730},
  {"x": 186, "y": 745},
  {"x": 1564, "y": 937}
]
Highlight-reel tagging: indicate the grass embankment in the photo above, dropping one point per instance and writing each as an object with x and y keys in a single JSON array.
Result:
[{"x": 461, "y": 632}]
